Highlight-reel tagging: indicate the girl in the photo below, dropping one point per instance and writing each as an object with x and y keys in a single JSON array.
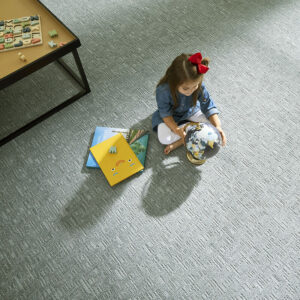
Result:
[{"x": 181, "y": 96}]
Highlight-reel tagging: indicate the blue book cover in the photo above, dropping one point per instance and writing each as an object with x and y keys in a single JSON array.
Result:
[{"x": 137, "y": 139}]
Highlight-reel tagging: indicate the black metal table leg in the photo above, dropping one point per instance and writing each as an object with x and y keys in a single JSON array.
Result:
[
  {"x": 85, "y": 90},
  {"x": 81, "y": 81}
]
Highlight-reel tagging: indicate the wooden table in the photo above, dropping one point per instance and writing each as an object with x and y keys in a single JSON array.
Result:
[{"x": 13, "y": 69}]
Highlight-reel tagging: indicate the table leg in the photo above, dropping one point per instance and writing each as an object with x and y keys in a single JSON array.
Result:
[{"x": 85, "y": 90}]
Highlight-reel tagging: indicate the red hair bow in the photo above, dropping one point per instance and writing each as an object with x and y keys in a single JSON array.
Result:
[{"x": 196, "y": 59}]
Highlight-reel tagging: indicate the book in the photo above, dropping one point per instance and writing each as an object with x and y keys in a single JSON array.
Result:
[
  {"x": 116, "y": 159},
  {"x": 137, "y": 139}
]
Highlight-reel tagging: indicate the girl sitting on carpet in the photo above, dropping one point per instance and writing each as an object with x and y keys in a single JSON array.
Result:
[{"x": 181, "y": 97}]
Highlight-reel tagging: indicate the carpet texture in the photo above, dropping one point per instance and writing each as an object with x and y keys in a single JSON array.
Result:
[{"x": 228, "y": 229}]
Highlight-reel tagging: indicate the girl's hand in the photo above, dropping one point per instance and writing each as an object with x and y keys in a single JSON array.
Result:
[
  {"x": 223, "y": 136},
  {"x": 180, "y": 131}
]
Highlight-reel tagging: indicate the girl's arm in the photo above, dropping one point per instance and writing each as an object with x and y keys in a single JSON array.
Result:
[
  {"x": 207, "y": 105},
  {"x": 170, "y": 122},
  {"x": 214, "y": 119}
]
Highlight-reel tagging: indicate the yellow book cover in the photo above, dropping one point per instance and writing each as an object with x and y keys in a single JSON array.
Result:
[{"x": 116, "y": 159}]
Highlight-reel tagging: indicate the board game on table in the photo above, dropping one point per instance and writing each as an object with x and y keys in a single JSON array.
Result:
[{"x": 20, "y": 33}]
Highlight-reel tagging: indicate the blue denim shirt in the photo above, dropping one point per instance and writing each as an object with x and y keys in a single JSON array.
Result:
[{"x": 185, "y": 107}]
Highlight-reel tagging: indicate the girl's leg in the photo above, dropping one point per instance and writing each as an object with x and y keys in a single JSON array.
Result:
[
  {"x": 199, "y": 117},
  {"x": 173, "y": 146},
  {"x": 167, "y": 137}
]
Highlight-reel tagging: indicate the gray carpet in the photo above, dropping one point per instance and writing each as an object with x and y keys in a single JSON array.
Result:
[{"x": 226, "y": 230}]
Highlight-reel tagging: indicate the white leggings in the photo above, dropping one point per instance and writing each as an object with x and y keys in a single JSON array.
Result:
[{"x": 166, "y": 136}]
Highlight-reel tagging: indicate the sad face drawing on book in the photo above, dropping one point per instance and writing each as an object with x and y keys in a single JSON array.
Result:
[
  {"x": 120, "y": 162},
  {"x": 122, "y": 166}
]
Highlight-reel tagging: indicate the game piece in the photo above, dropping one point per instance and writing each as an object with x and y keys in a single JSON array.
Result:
[
  {"x": 16, "y": 21},
  {"x": 8, "y": 30},
  {"x": 24, "y": 24},
  {"x": 35, "y": 40},
  {"x": 26, "y": 29},
  {"x": 52, "y": 44},
  {"x": 24, "y": 19},
  {"x": 19, "y": 44},
  {"x": 33, "y": 18},
  {"x": 32, "y": 23},
  {"x": 7, "y": 46},
  {"x": 9, "y": 40},
  {"x": 22, "y": 56},
  {"x": 112, "y": 150},
  {"x": 17, "y": 31},
  {"x": 2, "y": 40},
  {"x": 9, "y": 35},
  {"x": 35, "y": 28},
  {"x": 36, "y": 35},
  {"x": 1, "y": 46},
  {"x": 1, "y": 23},
  {"x": 53, "y": 33},
  {"x": 26, "y": 36},
  {"x": 2, "y": 28},
  {"x": 26, "y": 42}
]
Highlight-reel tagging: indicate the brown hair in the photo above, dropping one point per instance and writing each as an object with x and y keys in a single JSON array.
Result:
[{"x": 180, "y": 71}]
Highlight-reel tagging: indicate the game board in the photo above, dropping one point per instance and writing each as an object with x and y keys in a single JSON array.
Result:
[{"x": 20, "y": 33}]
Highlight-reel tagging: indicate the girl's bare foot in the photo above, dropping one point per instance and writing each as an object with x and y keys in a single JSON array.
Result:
[
  {"x": 173, "y": 146},
  {"x": 168, "y": 149}
]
